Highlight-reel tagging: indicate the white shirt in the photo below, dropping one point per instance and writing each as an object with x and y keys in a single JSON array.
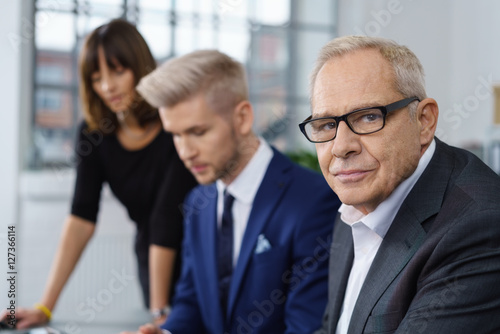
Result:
[
  {"x": 368, "y": 231},
  {"x": 244, "y": 188}
]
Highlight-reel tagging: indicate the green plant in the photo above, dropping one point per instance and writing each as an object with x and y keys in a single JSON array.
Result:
[{"x": 305, "y": 158}]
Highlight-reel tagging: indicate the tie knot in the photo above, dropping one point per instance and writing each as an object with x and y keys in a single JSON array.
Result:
[
  {"x": 227, "y": 215},
  {"x": 228, "y": 200}
]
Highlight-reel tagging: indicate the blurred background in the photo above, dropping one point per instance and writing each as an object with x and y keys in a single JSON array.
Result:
[{"x": 277, "y": 40}]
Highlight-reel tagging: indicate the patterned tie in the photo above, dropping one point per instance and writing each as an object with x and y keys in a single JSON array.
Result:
[{"x": 225, "y": 251}]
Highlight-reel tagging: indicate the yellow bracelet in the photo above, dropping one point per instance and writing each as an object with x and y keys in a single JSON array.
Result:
[{"x": 44, "y": 309}]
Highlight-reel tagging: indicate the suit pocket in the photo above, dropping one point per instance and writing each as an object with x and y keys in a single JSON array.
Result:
[
  {"x": 264, "y": 274},
  {"x": 383, "y": 323},
  {"x": 274, "y": 256}
]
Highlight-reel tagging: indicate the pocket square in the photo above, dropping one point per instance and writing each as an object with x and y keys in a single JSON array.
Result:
[{"x": 263, "y": 245}]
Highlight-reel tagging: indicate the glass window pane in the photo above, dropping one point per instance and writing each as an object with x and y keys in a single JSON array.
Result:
[
  {"x": 270, "y": 48},
  {"x": 272, "y": 121},
  {"x": 318, "y": 12},
  {"x": 184, "y": 38},
  {"x": 103, "y": 2},
  {"x": 106, "y": 11},
  {"x": 268, "y": 66},
  {"x": 207, "y": 37},
  {"x": 207, "y": 7},
  {"x": 85, "y": 24},
  {"x": 308, "y": 46},
  {"x": 232, "y": 9},
  {"x": 302, "y": 111},
  {"x": 54, "y": 67},
  {"x": 51, "y": 148},
  {"x": 267, "y": 83},
  {"x": 55, "y": 5},
  {"x": 49, "y": 74},
  {"x": 185, "y": 6},
  {"x": 53, "y": 130},
  {"x": 160, "y": 5},
  {"x": 53, "y": 108},
  {"x": 55, "y": 31},
  {"x": 104, "y": 8},
  {"x": 157, "y": 32},
  {"x": 267, "y": 113},
  {"x": 264, "y": 46},
  {"x": 234, "y": 40},
  {"x": 276, "y": 12}
]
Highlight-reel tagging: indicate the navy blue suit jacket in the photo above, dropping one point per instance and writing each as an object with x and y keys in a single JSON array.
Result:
[{"x": 281, "y": 290}]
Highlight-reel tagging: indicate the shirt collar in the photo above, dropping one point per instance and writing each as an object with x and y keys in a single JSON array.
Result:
[
  {"x": 381, "y": 218},
  {"x": 245, "y": 185}
]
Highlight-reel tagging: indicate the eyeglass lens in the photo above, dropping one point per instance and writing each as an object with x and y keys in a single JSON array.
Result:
[{"x": 361, "y": 122}]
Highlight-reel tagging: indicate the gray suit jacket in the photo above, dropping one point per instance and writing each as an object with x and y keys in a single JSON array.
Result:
[{"x": 438, "y": 267}]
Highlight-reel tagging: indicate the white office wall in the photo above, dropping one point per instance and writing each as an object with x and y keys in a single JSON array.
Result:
[
  {"x": 10, "y": 86},
  {"x": 476, "y": 66}
]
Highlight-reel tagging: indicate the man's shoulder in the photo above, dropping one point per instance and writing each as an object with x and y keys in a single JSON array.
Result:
[
  {"x": 471, "y": 174},
  {"x": 200, "y": 197},
  {"x": 280, "y": 160},
  {"x": 454, "y": 178},
  {"x": 471, "y": 184},
  {"x": 300, "y": 176},
  {"x": 305, "y": 188}
]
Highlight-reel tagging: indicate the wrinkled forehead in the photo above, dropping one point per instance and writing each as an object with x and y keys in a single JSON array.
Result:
[{"x": 353, "y": 81}]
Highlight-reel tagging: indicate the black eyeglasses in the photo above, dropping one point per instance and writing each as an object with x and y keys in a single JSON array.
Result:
[{"x": 362, "y": 121}]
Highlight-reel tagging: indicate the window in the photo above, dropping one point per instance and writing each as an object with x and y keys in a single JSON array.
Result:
[{"x": 277, "y": 41}]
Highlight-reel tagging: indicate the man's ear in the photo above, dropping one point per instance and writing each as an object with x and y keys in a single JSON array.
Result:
[
  {"x": 243, "y": 117},
  {"x": 427, "y": 117}
]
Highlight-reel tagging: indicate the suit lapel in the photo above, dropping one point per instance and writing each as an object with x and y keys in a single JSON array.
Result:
[
  {"x": 341, "y": 258},
  {"x": 401, "y": 242},
  {"x": 404, "y": 237},
  {"x": 268, "y": 196},
  {"x": 208, "y": 246}
]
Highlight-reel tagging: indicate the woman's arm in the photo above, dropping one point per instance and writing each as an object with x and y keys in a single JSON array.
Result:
[
  {"x": 166, "y": 227},
  {"x": 161, "y": 267}
]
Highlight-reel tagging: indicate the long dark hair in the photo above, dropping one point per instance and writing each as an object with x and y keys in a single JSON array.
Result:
[{"x": 122, "y": 44}]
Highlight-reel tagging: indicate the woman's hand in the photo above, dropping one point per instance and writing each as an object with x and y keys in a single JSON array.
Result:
[{"x": 27, "y": 317}]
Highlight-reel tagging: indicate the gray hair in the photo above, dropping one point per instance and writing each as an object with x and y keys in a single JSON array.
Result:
[
  {"x": 221, "y": 78},
  {"x": 408, "y": 71}
]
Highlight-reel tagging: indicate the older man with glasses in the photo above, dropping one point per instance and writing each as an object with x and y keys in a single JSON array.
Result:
[{"x": 416, "y": 245}]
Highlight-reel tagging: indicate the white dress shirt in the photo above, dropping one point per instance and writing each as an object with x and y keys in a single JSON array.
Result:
[
  {"x": 244, "y": 188},
  {"x": 368, "y": 231}
]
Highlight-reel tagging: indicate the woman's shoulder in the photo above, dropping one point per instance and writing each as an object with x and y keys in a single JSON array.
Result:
[
  {"x": 103, "y": 128},
  {"x": 91, "y": 140},
  {"x": 82, "y": 125}
]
